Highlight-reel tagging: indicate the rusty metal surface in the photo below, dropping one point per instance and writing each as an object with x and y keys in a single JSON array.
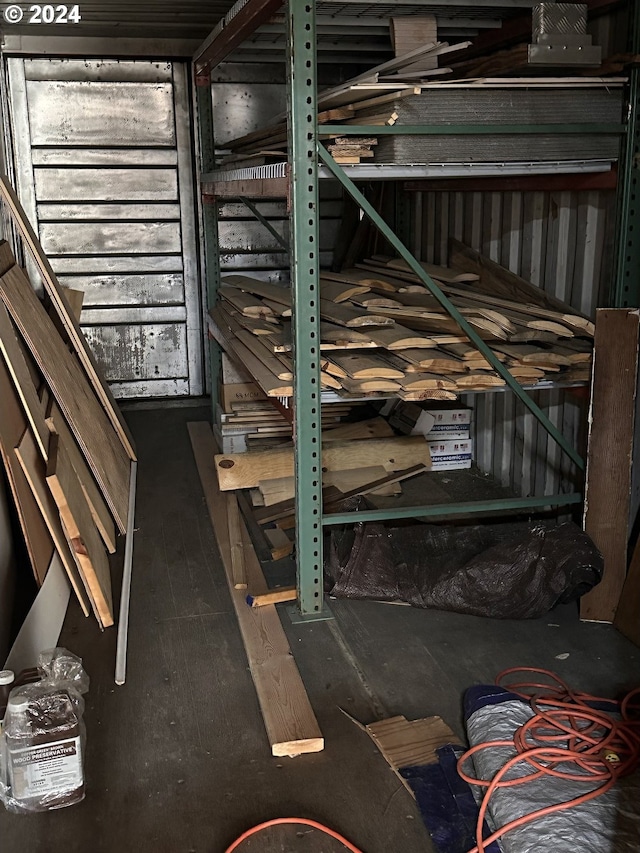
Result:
[{"x": 104, "y": 165}]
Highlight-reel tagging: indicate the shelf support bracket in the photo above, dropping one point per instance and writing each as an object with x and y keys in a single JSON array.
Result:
[
  {"x": 263, "y": 221},
  {"x": 451, "y": 309},
  {"x": 305, "y": 268}
]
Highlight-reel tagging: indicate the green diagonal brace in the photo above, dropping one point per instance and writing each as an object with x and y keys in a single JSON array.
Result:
[
  {"x": 451, "y": 309},
  {"x": 265, "y": 222}
]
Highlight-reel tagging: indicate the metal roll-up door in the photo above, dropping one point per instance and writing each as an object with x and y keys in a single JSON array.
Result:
[{"x": 103, "y": 167}]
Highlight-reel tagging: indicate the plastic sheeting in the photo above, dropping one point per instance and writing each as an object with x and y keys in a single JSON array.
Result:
[
  {"x": 506, "y": 572},
  {"x": 608, "y": 824}
]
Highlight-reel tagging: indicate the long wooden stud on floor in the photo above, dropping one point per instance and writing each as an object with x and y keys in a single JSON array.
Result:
[
  {"x": 610, "y": 454},
  {"x": 291, "y": 725},
  {"x": 88, "y": 421},
  {"x": 65, "y": 314}
]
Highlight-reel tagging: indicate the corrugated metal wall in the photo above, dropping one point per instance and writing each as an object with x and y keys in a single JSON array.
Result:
[{"x": 560, "y": 241}]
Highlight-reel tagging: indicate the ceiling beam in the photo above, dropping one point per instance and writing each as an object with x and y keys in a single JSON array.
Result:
[{"x": 235, "y": 30}]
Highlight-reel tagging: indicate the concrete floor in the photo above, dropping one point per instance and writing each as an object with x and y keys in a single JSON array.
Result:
[{"x": 177, "y": 759}]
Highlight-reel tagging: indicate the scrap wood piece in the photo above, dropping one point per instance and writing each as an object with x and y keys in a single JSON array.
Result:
[
  {"x": 246, "y": 470},
  {"x": 15, "y": 359},
  {"x": 292, "y": 728},
  {"x": 275, "y": 596},
  {"x": 65, "y": 315},
  {"x": 281, "y": 546},
  {"x": 104, "y": 451},
  {"x": 265, "y": 289},
  {"x": 336, "y": 291},
  {"x": 236, "y": 550},
  {"x": 82, "y": 533},
  {"x": 610, "y": 454},
  {"x": 367, "y": 367},
  {"x": 34, "y": 470},
  {"x": 333, "y": 498},
  {"x": 99, "y": 511},
  {"x": 245, "y": 303},
  {"x": 349, "y": 315},
  {"x": 38, "y": 541}
]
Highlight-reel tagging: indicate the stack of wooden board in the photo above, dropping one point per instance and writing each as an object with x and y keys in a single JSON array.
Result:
[
  {"x": 66, "y": 449},
  {"x": 384, "y": 333}
]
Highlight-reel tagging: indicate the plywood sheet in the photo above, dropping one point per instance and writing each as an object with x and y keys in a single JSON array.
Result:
[
  {"x": 610, "y": 454},
  {"x": 91, "y": 426},
  {"x": 12, "y": 426}
]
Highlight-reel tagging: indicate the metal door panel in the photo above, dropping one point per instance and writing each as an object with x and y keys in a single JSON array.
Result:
[
  {"x": 80, "y": 265},
  {"x": 104, "y": 170},
  {"x": 83, "y": 238},
  {"x": 120, "y": 212},
  {"x": 104, "y": 157},
  {"x": 141, "y": 352},
  {"x": 74, "y": 113},
  {"x": 106, "y": 184},
  {"x": 116, "y": 290}
]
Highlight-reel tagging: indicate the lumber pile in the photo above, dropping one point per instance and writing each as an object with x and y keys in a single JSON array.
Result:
[
  {"x": 66, "y": 450},
  {"x": 384, "y": 334}
]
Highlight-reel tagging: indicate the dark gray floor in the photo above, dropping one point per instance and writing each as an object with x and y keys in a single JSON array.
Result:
[{"x": 177, "y": 759}]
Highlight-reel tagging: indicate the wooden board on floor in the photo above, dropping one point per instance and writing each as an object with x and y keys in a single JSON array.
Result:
[
  {"x": 83, "y": 535},
  {"x": 14, "y": 356},
  {"x": 91, "y": 426},
  {"x": 292, "y": 728},
  {"x": 610, "y": 454},
  {"x": 245, "y": 470},
  {"x": 99, "y": 512},
  {"x": 65, "y": 315},
  {"x": 238, "y": 572},
  {"x": 36, "y": 535},
  {"x": 34, "y": 470}
]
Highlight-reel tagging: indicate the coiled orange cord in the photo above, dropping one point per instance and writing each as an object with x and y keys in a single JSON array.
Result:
[
  {"x": 565, "y": 730},
  {"x": 300, "y": 820}
]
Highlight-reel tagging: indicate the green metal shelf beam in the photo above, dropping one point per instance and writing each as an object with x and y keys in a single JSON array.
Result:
[
  {"x": 469, "y": 129},
  {"x": 305, "y": 293},
  {"x": 452, "y": 509},
  {"x": 448, "y": 306}
]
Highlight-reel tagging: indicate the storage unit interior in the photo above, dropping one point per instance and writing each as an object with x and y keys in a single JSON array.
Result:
[{"x": 177, "y": 758}]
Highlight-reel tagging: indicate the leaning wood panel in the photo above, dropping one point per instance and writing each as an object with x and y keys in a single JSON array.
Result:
[
  {"x": 291, "y": 725},
  {"x": 99, "y": 511},
  {"x": 627, "y": 619},
  {"x": 12, "y": 426},
  {"x": 103, "y": 449},
  {"x": 246, "y": 470},
  {"x": 14, "y": 357},
  {"x": 83, "y": 535},
  {"x": 61, "y": 306},
  {"x": 34, "y": 471},
  {"x": 610, "y": 454}
]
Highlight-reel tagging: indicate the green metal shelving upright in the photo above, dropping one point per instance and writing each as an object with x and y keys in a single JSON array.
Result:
[{"x": 304, "y": 154}]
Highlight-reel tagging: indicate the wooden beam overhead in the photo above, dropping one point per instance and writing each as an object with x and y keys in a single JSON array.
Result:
[{"x": 242, "y": 25}]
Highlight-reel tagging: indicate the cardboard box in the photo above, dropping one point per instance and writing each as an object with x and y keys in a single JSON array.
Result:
[
  {"x": 239, "y": 392},
  {"x": 451, "y": 454},
  {"x": 232, "y": 373},
  {"x": 443, "y": 424}
]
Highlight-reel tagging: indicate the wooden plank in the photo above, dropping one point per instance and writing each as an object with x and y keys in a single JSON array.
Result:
[
  {"x": 291, "y": 725},
  {"x": 75, "y": 298},
  {"x": 34, "y": 470},
  {"x": 366, "y": 366},
  {"x": 246, "y": 470},
  {"x": 336, "y": 291},
  {"x": 99, "y": 512},
  {"x": 103, "y": 450},
  {"x": 276, "y": 596},
  {"x": 36, "y": 535},
  {"x": 627, "y": 618},
  {"x": 281, "y": 546},
  {"x": 348, "y": 315},
  {"x": 610, "y": 454},
  {"x": 60, "y": 304},
  {"x": 17, "y": 366},
  {"x": 238, "y": 573},
  {"x": 78, "y": 524}
]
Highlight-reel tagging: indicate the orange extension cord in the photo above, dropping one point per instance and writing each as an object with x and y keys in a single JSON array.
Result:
[
  {"x": 299, "y": 820},
  {"x": 565, "y": 730}
]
